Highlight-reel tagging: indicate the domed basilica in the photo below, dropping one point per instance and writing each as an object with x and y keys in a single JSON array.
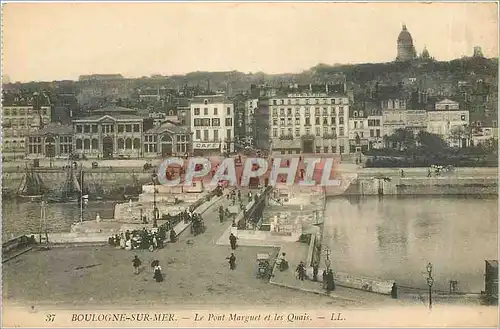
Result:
[{"x": 406, "y": 50}]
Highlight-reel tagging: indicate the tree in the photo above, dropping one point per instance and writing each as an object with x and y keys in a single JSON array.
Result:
[
  {"x": 431, "y": 142},
  {"x": 404, "y": 139},
  {"x": 458, "y": 133}
]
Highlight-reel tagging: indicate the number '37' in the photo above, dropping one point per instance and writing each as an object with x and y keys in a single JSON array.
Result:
[{"x": 50, "y": 318}]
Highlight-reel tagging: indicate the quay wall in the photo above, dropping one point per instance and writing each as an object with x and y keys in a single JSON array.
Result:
[
  {"x": 105, "y": 179},
  {"x": 424, "y": 186}
]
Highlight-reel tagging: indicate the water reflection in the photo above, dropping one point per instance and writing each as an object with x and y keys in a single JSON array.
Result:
[
  {"x": 395, "y": 237},
  {"x": 24, "y": 217}
]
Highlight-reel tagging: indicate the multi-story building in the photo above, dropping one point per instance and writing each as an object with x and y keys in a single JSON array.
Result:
[
  {"x": 450, "y": 122},
  {"x": 358, "y": 130},
  {"x": 251, "y": 106},
  {"x": 113, "y": 133},
  {"x": 240, "y": 118},
  {"x": 375, "y": 125},
  {"x": 393, "y": 114},
  {"x": 212, "y": 122},
  {"x": 303, "y": 123},
  {"x": 52, "y": 141},
  {"x": 167, "y": 139},
  {"x": 22, "y": 115}
]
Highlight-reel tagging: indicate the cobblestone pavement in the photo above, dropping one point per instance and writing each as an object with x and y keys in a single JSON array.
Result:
[{"x": 195, "y": 268}]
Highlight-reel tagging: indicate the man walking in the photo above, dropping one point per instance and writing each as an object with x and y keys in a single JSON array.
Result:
[
  {"x": 136, "y": 263},
  {"x": 232, "y": 241},
  {"x": 232, "y": 262},
  {"x": 301, "y": 271}
]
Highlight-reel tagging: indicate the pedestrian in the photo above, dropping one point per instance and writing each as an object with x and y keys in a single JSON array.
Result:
[
  {"x": 301, "y": 271},
  {"x": 239, "y": 196},
  {"x": 221, "y": 214},
  {"x": 173, "y": 236},
  {"x": 232, "y": 261},
  {"x": 330, "y": 281},
  {"x": 315, "y": 271},
  {"x": 158, "y": 276},
  {"x": 402, "y": 173},
  {"x": 325, "y": 278},
  {"x": 232, "y": 241},
  {"x": 136, "y": 263},
  {"x": 394, "y": 291}
]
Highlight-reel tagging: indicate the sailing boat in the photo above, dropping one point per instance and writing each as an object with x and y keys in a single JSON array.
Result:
[
  {"x": 71, "y": 189},
  {"x": 31, "y": 186}
]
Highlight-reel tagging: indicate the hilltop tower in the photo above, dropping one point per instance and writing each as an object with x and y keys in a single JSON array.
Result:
[{"x": 406, "y": 50}]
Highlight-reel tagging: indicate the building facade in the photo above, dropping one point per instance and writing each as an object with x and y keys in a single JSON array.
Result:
[
  {"x": 450, "y": 122},
  {"x": 110, "y": 136},
  {"x": 52, "y": 141},
  {"x": 212, "y": 124},
  {"x": 21, "y": 116},
  {"x": 303, "y": 123},
  {"x": 393, "y": 115},
  {"x": 358, "y": 131},
  {"x": 251, "y": 106},
  {"x": 167, "y": 139}
]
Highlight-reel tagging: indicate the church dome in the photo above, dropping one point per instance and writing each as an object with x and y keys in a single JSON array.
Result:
[{"x": 405, "y": 37}]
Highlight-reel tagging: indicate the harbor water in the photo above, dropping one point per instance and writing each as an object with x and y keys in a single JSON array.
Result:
[
  {"x": 395, "y": 238},
  {"x": 20, "y": 218}
]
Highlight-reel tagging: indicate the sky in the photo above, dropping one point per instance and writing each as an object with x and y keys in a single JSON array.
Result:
[{"x": 56, "y": 41}]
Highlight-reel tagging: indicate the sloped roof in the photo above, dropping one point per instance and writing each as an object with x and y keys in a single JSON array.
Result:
[
  {"x": 54, "y": 129},
  {"x": 168, "y": 127},
  {"x": 114, "y": 117},
  {"x": 114, "y": 108}
]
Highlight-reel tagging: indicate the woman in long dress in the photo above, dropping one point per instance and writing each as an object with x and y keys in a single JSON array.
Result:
[{"x": 158, "y": 276}]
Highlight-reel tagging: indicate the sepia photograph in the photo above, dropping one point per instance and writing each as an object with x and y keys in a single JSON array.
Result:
[{"x": 249, "y": 164}]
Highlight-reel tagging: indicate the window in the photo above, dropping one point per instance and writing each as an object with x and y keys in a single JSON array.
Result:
[
  {"x": 205, "y": 111},
  {"x": 318, "y": 149},
  {"x": 297, "y": 121},
  {"x": 275, "y": 112},
  {"x": 333, "y": 120},
  {"x": 282, "y": 121},
  {"x": 289, "y": 121},
  {"x": 289, "y": 111},
  {"x": 462, "y": 117},
  {"x": 128, "y": 128},
  {"x": 377, "y": 132},
  {"x": 94, "y": 129},
  {"x": 197, "y": 111},
  {"x": 216, "y": 111},
  {"x": 275, "y": 122},
  {"x": 316, "y": 111},
  {"x": 355, "y": 124},
  {"x": 228, "y": 111},
  {"x": 78, "y": 144},
  {"x": 128, "y": 143},
  {"x": 86, "y": 129},
  {"x": 341, "y": 131},
  {"x": 216, "y": 135},
  {"x": 325, "y": 111},
  {"x": 341, "y": 120},
  {"x": 290, "y": 133},
  {"x": 282, "y": 132},
  {"x": 205, "y": 101},
  {"x": 361, "y": 114},
  {"x": 120, "y": 128},
  {"x": 308, "y": 121},
  {"x": 198, "y": 134},
  {"x": 95, "y": 144},
  {"x": 86, "y": 144},
  {"x": 297, "y": 111},
  {"x": 325, "y": 121},
  {"x": 137, "y": 128},
  {"x": 229, "y": 122},
  {"x": 318, "y": 131},
  {"x": 355, "y": 114},
  {"x": 275, "y": 132},
  {"x": 372, "y": 134},
  {"x": 297, "y": 132},
  {"x": 282, "y": 112},
  {"x": 317, "y": 121},
  {"x": 307, "y": 111},
  {"x": 325, "y": 149},
  {"x": 205, "y": 135}
]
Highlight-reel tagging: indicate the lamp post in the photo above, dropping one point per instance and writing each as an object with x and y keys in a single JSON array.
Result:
[
  {"x": 430, "y": 283},
  {"x": 328, "y": 262},
  {"x": 155, "y": 210}
]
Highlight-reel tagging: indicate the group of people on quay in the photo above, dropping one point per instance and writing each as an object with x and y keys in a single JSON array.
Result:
[{"x": 140, "y": 239}]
